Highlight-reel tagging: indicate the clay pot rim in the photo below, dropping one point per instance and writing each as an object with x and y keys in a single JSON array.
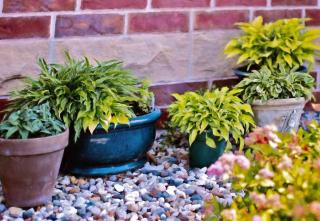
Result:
[
  {"x": 280, "y": 102},
  {"x": 34, "y": 146}
]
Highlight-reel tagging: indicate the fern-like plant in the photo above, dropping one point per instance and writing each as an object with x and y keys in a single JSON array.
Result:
[
  {"x": 37, "y": 121},
  {"x": 284, "y": 42},
  {"x": 266, "y": 84},
  {"x": 219, "y": 112},
  {"x": 83, "y": 95}
]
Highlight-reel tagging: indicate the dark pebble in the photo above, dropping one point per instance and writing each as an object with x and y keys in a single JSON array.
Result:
[
  {"x": 159, "y": 211},
  {"x": 52, "y": 217},
  {"x": 28, "y": 214},
  {"x": 165, "y": 195},
  {"x": 85, "y": 186},
  {"x": 82, "y": 213},
  {"x": 56, "y": 203},
  {"x": 189, "y": 192},
  {"x": 2, "y": 208},
  {"x": 196, "y": 197},
  {"x": 147, "y": 197}
]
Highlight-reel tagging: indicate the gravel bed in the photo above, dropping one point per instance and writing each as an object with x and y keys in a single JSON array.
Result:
[{"x": 166, "y": 190}]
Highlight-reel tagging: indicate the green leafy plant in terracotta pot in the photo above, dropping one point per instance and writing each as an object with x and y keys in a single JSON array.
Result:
[
  {"x": 277, "y": 97},
  {"x": 108, "y": 109},
  {"x": 285, "y": 42},
  {"x": 32, "y": 142},
  {"x": 277, "y": 178},
  {"x": 210, "y": 119}
]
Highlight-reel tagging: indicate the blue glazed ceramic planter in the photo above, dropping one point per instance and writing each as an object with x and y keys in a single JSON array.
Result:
[{"x": 120, "y": 149}]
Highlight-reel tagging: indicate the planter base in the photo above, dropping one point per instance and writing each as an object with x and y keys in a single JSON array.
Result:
[{"x": 107, "y": 170}]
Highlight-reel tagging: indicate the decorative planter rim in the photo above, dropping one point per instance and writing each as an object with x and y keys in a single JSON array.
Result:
[
  {"x": 279, "y": 102},
  {"x": 34, "y": 146},
  {"x": 151, "y": 117}
]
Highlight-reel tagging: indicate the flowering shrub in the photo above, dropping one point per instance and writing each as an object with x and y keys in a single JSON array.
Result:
[{"x": 279, "y": 174}]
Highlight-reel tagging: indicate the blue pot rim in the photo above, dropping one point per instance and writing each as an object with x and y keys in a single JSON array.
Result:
[{"x": 149, "y": 118}]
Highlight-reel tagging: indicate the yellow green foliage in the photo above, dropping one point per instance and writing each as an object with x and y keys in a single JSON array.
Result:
[
  {"x": 285, "y": 41},
  {"x": 282, "y": 181},
  {"x": 220, "y": 111}
]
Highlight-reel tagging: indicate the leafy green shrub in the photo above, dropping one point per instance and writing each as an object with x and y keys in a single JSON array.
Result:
[
  {"x": 266, "y": 85},
  {"x": 219, "y": 112},
  {"x": 83, "y": 95},
  {"x": 30, "y": 123},
  {"x": 286, "y": 41},
  {"x": 279, "y": 174}
]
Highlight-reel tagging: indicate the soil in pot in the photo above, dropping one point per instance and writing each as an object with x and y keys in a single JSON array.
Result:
[
  {"x": 201, "y": 155},
  {"x": 283, "y": 113},
  {"x": 29, "y": 168}
]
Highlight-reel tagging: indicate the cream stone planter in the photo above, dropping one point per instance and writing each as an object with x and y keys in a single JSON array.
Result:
[{"x": 283, "y": 113}]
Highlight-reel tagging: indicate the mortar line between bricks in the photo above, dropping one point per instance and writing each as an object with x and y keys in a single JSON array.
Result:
[
  {"x": 251, "y": 14},
  {"x": 126, "y": 24},
  {"x": 1, "y": 6},
  {"x": 318, "y": 3},
  {"x": 53, "y": 20},
  {"x": 303, "y": 13},
  {"x": 190, "y": 49},
  {"x": 212, "y": 3},
  {"x": 269, "y": 4},
  {"x": 78, "y": 5},
  {"x": 149, "y": 5},
  {"x": 123, "y": 11}
]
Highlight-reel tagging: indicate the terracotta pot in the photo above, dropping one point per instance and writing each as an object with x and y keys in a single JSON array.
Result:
[
  {"x": 29, "y": 168},
  {"x": 283, "y": 113}
]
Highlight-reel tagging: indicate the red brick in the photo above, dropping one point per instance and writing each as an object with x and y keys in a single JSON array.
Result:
[
  {"x": 37, "y": 5},
  {"x": 180, "y": 3},
  {"x": 314, "y": 14},
  {"x": 241, "y": 2},
  {"x": 293, "y": 2},
  {"x": 113, "y": 4},
  {"x": 159, "y": 22},
  {"x": 272, "y": 15},
  {"x": 220, "y": 19},
  {"x": 24, "y": 27},
  {"x": 88, "y": 25}
]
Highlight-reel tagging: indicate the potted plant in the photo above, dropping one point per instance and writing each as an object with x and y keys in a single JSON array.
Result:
[
  {"x": 209, "y": 119},
  {"x": 277, "y": 97},
  {"x": 32, "y": 142},
  {"x": 110, "y": 113},
  {"x": 284, "y": 42}
]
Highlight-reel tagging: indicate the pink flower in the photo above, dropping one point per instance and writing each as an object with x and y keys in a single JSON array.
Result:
[
  {"x": 266, "y": 173},
  {"x": 258, "y": 199},
  {"x": 298, "y": 211},
  {"x": 243, "y": 162},
  {"x": 315, "y": 209},
  {"x": 317, "y": 164},
  {"x": 274, "y": 201},
  {"x": 285, "y": 163},
  {"x": 215, "y": 169},
  {"x": 256, "y": 218},
  {"x": 229, "y": 214}
]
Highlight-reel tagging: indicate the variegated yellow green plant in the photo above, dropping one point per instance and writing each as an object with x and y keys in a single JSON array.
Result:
[
  {"x": 219, "y": 112},
  {"x": 283, "y": 42},
  {"x": 266, "y": 84},
  {"x": 279, "y": 174},
  {"x": 83, "y": 95}
]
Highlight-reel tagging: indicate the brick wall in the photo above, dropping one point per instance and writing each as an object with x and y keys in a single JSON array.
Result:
[{"x": 163, "y": 40}]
